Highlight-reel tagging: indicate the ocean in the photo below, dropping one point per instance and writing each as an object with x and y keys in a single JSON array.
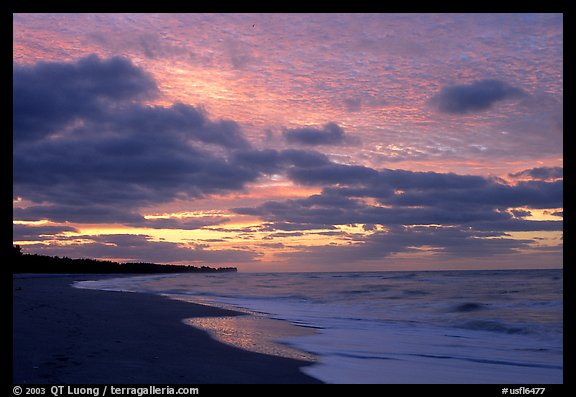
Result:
[{"x": 495, "y": 327}]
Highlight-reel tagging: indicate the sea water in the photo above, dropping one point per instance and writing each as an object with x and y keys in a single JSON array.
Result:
[{"x": 499, "y": 327}]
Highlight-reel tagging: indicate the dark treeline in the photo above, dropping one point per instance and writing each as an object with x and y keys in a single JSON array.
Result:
[{"x": 33, "y": 263}]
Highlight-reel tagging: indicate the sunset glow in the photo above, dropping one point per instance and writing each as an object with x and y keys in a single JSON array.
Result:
[{"x": 291, "y": 142}]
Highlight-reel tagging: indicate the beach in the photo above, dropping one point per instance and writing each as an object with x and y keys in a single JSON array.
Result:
[
  {"x": 464, "y": 327},
  {"x": 66, "y": 335}
]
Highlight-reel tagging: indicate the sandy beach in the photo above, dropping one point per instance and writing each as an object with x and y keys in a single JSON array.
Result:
[{"x": 65, "y": 335}]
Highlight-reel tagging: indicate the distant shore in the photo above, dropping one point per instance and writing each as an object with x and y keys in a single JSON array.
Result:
[
  {"x": 34, "y": 263},
  {"x": 65, "y": 335}
]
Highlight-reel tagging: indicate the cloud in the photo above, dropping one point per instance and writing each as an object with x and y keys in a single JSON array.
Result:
[
  {"x": 305, "y": 167},
  {"x": 407, "y": 198},
  {"x": 48, "y": 96},
  {"x": 270, "y": 161},
  {"x": 332, "y": 174},
  {"x": 477, "y": 96},
  {"x": 532, "y": 194},
  {"x": 329, "y": 134},
  {"x": 106, "y": 96},
  {"x": 178, "y": 122},
  {"x": 79, "y": 210},
  {"x": 448, "y": 213},
  {"x": 190, "y": 223},
  {"x": 87, "y": 150},
  {"x": 292, "y": 226},
  {"x": 103, "y": 214},
  {"x": 540, "y": 173},
  {"x": 402, "y": 179},
  {"x": 94, "y": 151},
  {"x": 330, "y": 209},
  {"x": 142, "y": 248},
  {"x": 21, "y": 232},
  {"x": 519, "y": 213},
  {"x": 442, "y": 242},
  {"x": 121, "y": 172}
]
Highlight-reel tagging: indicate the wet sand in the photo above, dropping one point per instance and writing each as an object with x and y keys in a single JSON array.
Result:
[{"x": 66, "y": 335}]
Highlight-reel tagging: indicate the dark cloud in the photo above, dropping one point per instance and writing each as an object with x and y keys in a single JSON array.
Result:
[
  {"x": 329, "y": 134},
  {"x": 191, "y": 223},
  {"x": 474, "y": 97},
  {"x": 286, "y": 226},
  {"x": 142, "y": 248},
  {"x": 519, "y": 225},
  {"x": 540, "y": 173},
  {"x": 337, "y": 210},
  {"x": 533, "y": 194},
  {"x": 48, "y": 96},
  {"x": 21, "y": 232},
  {"x": 83, "y": 213},
  {"x": 401, "y": 179},
  {"x": 332, "y": 174},
  {"x": 178, "y": 124},
  {"x": 303, "y": 166},
  {"x": 453, "y": 214},
  {"x": 451, "y": 191},
  {"x": 443, "y": 242},
  {"x": 121, "y": 172},
  {"x": 270, "y": 161},
  {"x": 519, "y": 213},
  {"x": 86, "y": 150},
  {"x": 407, "y": 197}
]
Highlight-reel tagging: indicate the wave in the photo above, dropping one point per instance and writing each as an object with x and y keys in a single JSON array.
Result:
[
  {"x": 468, "y": 307},
  {"x": 374, "y": 323},
  {"x": 493, "y": 326},
  {"x": 490, "y": 361}
]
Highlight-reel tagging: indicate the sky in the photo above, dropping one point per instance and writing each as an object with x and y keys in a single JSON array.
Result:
[{"x": 290, "y": 142}]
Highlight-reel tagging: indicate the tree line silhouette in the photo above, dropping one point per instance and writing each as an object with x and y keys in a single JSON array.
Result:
[{"x": 34, "y": 263}]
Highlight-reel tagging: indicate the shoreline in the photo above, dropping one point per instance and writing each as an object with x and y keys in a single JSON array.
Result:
[{"x": 68, "y": 335}]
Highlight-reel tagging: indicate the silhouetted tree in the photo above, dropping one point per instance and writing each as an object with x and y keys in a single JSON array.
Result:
[
  {"x": 33, "y": 263},
  {"x": 16, "y": 250}
]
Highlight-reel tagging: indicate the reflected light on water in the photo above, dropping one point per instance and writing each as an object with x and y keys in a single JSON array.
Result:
[{"x": 255, "y": 333}]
